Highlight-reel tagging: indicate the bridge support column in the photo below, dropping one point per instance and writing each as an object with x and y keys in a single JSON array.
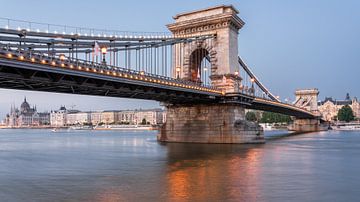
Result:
[
  {"x": 216, "y": 123},
  {"x": 307, "y": 125}
]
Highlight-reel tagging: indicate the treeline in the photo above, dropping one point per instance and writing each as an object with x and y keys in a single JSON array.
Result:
[{"x": 267, "y": 117}]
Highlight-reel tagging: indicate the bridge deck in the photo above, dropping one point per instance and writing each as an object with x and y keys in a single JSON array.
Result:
[{"x": 54, "y": 75}]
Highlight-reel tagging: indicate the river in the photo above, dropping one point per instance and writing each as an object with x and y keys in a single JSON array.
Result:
[{"x": 40, "y": 165}]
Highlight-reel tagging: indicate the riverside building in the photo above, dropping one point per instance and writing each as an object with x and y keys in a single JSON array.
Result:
[
  {"x": 330, "y": 107},
  {"x": 64, "y": 117}
]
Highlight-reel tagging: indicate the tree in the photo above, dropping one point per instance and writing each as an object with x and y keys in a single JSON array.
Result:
[
  {"x": 270, "y": 117},
  {"x": 143, "y": 122},
  {"x": 250, "y": 116},
  {"x": 346, "y": 114}
]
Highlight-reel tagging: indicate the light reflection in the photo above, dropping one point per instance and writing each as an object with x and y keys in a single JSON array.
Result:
[{"x": 199, "y": 172}]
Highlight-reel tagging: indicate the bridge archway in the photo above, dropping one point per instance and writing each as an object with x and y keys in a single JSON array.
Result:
[{"x": 200, "y": 63}]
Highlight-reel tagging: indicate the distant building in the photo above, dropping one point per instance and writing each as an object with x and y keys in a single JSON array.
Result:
[
  {"x": 78, "y": 118},
  {"x": 126, "y": 117},
  {"x": 44, "y": 118},
  {"x": 26, "y": 116},
  {"x": 58, "y": 117},
  {"x": 329, "y": 107},
  {"x": 151, "y": 116},
  {"x": 64, "y": 117},
  {"x": 108, "y": 117},
  {"x": 96, "y": 117}
]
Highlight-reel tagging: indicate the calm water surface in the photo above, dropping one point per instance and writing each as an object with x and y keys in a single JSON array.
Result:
[{"x": 40, "y": 165}]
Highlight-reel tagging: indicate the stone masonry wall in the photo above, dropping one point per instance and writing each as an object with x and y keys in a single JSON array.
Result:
[{"x": 217, "y": 123}]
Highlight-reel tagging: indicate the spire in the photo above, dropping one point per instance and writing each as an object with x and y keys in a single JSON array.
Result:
[
  {"x": 25, "y": 99},
  {"x": 347, "y": 96}
]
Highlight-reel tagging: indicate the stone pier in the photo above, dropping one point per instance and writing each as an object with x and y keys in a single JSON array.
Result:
[
  {"x": 216, "y": 123},
  {"x": 307, "y": 125}
]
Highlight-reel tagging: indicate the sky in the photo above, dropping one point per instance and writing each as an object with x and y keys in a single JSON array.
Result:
[{"x": 289, "y": 45}]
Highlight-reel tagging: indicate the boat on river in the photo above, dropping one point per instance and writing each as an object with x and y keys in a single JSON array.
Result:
[
  {"x": 81, "y": 127},
  {"x": 346, "y": 126},
  {"x": 124, "y": 127}
]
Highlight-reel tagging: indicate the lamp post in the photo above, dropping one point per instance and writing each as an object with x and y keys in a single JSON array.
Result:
[
  {"x": 252, "y": 85},
  {"x": 103, "y": 52},
  {"x": 236, "y": 73},
  {"x": 205, "y": 75},
  {"x": 177, "y": 72}
]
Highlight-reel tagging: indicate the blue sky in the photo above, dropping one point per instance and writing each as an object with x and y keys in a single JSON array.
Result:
[{"x": 288, "y": 44}]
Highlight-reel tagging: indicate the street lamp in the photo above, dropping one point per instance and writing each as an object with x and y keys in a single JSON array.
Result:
[
  {"x": 177, "y": 72},
  {"x": 104, "y": 51},
  {"x": 62, "y": 57},
  {"x": 237, "y": 82},
  {"x": 205, "y": 75},
  {"x": 252, "y": 85}
]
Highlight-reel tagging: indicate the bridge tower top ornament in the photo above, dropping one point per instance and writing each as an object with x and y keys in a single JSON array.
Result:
[{"x": 223, "y": 23}]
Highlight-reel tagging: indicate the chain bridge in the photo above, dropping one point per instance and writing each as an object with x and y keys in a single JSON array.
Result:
[{"x": 194, "y": 70}]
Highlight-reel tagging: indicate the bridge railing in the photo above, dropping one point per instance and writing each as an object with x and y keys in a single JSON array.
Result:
[{"x": 8, "y": 23}]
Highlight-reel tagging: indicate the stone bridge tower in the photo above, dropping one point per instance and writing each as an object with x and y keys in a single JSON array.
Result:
[
  {"x": 307, "y": 99},
  {"x": 211, "y": 122},
  {"x": 221, "y": 51}
]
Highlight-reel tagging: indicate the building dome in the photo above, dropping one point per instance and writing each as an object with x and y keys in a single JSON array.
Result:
[{"x": 25, "y": 107}]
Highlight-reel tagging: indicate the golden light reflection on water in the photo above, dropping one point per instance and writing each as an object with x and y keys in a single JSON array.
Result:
[
  {"x": 213, "y": 173},
  {"x": 245, "y": 174},
  {"x": 110, "y": 195}
]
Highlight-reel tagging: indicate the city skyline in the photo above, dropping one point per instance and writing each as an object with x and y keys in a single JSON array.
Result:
[
  {"x": 300, "y": 31},
  {"x": 72, "y": 106},
  {"x": 27, "y": 115}
]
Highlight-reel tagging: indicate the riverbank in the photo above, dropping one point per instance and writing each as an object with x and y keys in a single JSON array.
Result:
[
  {"x": 31, "y": 127},
  {"x": 103, "y": 127}
]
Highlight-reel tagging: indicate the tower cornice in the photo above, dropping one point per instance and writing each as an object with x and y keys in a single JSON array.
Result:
[{"x": 206, "y": 20}]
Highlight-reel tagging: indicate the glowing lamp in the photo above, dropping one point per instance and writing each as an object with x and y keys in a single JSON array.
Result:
[
  {"x": 103, "y": 50},
  {"x": 62, "y": 57}
]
